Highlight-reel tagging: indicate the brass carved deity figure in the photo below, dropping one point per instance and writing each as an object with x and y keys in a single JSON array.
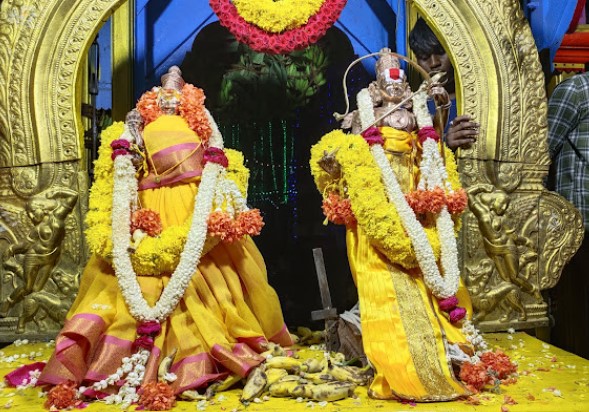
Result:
[
  {"x": 509, "y": 253},
  {"x": 32, "y": 260}
]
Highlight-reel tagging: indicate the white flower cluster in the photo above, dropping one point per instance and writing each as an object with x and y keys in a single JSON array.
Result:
[
  {"x": 473, "y": 336},
  {"x": 31, "y": 382},
  {"x": 420, "y": 109},
  {"x": 228, "y": 195},
  {"x": 441, "y": 286},
  {"x": 132, "y": 371}
]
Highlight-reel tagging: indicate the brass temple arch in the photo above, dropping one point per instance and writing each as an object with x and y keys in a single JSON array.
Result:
[
  {"x": 43, "y": 44},
  {"x": 501, "y": 84}
]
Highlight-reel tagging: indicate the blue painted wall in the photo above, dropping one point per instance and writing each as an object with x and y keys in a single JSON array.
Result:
[{"x": 165, "y": 31}]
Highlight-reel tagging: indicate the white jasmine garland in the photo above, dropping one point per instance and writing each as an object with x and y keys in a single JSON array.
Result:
[
  {"x": 214, "y": 187},
  {"x": 441, "y": 286}
]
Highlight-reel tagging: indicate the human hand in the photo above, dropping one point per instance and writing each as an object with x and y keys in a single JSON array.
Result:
[{"x": 462, "y": 132}]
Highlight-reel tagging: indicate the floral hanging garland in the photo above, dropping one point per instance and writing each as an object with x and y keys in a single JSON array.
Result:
[
  {"x": 390, "y": 221},
  {"x": 261, "y": 38},
  {"x": 154, "y": 254}
]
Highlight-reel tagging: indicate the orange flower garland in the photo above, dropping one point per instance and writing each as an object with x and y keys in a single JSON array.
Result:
[
  {"x": 338, "y": 210},
  {"x": 228, "y": 229},
  {"x": 148, "y": 221},
  {"x": 191, "y": 108}
]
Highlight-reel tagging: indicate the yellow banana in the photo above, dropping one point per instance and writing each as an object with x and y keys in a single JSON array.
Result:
[
  {"x": 332, "y": 391},
  {"x": 192, "y": 395},
  {"x": 318, "y": 377},
  {"x": 316, "y": 338},
  {"x": 345, "y": 375},
  {"x": 312, "y": 365},
  {"x": 273, "y": 349},
  {"x": 255, "y": 384},
  {"x": 284, "y": 362},
  {"x": 282, "y": 388},
  {"x": 165, "y": 365},
  {"x": 228, "y": 382},
  {"x": 302, "y": 391},
  {"x": 274, "y": 375},
  {"x": 337, "y": 357}
]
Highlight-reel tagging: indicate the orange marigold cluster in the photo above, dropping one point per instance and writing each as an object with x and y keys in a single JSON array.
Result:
[
  {"x": 475, "y": 375},
  {"x": 148, "y": 221},
  {"x": 228, "y": 229},
  {"x": 338, "y": 210},
  {"x": 156, "y": 396},
  {"x": 432, "y": 201},
  {"x": 499, "y": 362},
  {"x": 63, "y": 396},
  {"x": 427, "y": 201},
  {"x": 191, "y": 108},
  {"x": 250, "y": 222},
  {"x": 148, "y": 107},
  {"x": 493, "y": 365},
  {"x": 457, "y": 201}
]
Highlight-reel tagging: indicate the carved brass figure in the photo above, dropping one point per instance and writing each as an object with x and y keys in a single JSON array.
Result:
[
  {"x": 41, "y": 249},
  {"x": 486, "y": 298},
  {"x": 54, "y": 305},
  {"x": 501, "y": 242}
]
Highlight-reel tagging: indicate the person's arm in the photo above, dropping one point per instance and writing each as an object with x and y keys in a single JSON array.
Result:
[{"x": 563, "y": 114}]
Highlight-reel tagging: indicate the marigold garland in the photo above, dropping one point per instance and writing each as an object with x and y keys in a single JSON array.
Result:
[
  {"x": 338, "y": 210},
  {"x": 191, "y": 108},
  {"x": 275, "y": 43},
  {"x": 377, "y": 217},
  {"x": 154, "y": 255},
  {"x": 146, "y": 220},
  {"x": 277, "y": 16}
]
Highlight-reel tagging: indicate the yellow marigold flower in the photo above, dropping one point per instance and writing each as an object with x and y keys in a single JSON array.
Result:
[
  {"x": 277, "y": 16},
  {"x": 361, "y": 176}
]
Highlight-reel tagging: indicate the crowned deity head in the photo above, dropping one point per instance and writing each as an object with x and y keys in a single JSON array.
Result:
[
  {"x": 170, "y": 92},
  {"x": 391, "y": 78}
]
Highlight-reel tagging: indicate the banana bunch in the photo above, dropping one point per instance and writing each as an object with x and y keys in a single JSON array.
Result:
[
  {"x": 165, "y": 365},
  {"x": 273, "y": 349},
  {"x": 291, "y": 365},
  {"x": 309, "y": 337},
  {"x": 255, "y": 384}
]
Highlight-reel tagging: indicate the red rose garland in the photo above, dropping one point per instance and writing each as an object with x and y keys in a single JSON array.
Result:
[{"x": 278, "y": 43}]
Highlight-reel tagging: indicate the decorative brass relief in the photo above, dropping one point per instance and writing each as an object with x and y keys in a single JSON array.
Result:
[
  {"x": 509, "y": 255},
  {"x": 42, "y": 49}
]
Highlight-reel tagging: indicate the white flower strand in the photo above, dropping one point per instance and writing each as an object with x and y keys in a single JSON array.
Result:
[
  {"x": 124, "y": 187},
  {"x": 441, "y": 287},
  {"x": 365, "y": 108},
  {"x": 474, "y": 337},
  {"x": 124, "y": 201}
]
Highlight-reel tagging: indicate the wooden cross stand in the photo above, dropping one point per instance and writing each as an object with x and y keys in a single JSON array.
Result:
[{"x": 328, "y": 313}]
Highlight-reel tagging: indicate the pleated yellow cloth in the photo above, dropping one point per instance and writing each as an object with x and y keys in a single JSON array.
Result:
[
  {"x": 220, "y": 325},
  {"x": 405, "y": 335}
]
